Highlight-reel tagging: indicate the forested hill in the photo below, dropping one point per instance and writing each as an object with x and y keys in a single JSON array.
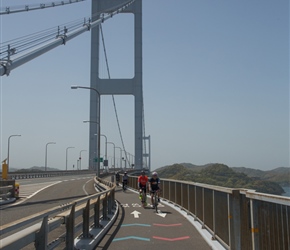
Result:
[
  {"x": 219, "y": 175},
  {"x": 280, "y": 175}
]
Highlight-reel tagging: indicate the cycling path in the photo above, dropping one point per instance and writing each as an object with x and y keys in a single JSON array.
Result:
[{"x": 142, "y": 228}]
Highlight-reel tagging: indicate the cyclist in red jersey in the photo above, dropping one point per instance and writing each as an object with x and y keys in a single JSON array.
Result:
[{"x": 142, "y": 182}]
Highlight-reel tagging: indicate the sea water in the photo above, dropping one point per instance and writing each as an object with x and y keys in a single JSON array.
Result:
[{"x": 287, "y": 191}]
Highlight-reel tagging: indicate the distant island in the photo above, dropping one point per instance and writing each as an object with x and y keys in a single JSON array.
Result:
[
  {"x": 218, "y": 174},
  {"x": 33, "y": 169}
]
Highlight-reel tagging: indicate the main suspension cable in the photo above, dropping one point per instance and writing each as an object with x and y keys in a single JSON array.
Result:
[{"x": 16, "y": 9}]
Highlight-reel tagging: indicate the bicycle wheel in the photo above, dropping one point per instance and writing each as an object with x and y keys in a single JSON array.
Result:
[
  {"x": 143, "y": 198},
  {"x": 156, "y": 201}
]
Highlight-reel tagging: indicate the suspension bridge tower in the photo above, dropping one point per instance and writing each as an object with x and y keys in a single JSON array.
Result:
[{"x": 132, "y": 86}]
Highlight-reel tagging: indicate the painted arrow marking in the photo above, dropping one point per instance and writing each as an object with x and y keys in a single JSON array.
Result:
[
  {"x": 167, "y": 225},
  {"x": 171, "y": 239},
  {"x": 135, "y": 224},
  {"x": 131, "y": 237},
  {"x": 136, "y": 214},
  {"x": 161, "y": 214}
]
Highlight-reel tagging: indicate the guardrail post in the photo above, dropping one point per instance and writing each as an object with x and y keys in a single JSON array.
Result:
[
  {"x": 70, "y": 229},
  {"x": 86, "y": 220},
  {"x": 105, "y": 207},
  {"x": 235, "y": 219},
  {"x": 97, "y": 214},
  {"x": 110, "y": 202},
  {"x": 41, "y": 235},
  {"x": 254, "y": 224}
]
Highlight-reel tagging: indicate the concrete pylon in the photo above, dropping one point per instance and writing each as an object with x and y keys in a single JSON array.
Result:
[{"x": 132, "y": 86}]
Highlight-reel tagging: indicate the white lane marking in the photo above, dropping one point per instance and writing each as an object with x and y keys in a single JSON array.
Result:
[
  {"x": 84, "y": 187},
  {"x": 37, "y": 191},
  {"x": 136, "y": 205}
]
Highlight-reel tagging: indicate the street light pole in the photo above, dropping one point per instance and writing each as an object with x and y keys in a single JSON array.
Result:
[
  {"x": 120, "y": 156},
  {"x": 81, "y": 158},
  {"x": 66, "y": 157},
  {"x": 125, "y": 158},
  {"x": 92, "y": 145},
  {"x": 114, "y": 152},
  {"x": 45, "y": 165},
  {"x": 98, "y": 147},
  {"x": 9, "y": 150},
  {"x": 105, "y": 147}
]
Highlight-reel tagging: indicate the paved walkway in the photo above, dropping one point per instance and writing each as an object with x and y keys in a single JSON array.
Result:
[{"x": 142, "y": 228}]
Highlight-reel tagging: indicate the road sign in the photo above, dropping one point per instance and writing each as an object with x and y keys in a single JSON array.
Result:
[{"x": 96, "y": 159}]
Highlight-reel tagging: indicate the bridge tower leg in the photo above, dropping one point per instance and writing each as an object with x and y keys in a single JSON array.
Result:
[{"x": 132, "y": 86}]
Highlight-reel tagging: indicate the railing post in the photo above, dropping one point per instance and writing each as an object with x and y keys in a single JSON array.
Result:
[
  {"x": 86, "y": 220},
  {"x": 70, "y": 229},
  {"x": 41, "y": 235},
  {"x": 110, "y": 203},
  {"x": 213, "y": 215},
  {"x": 113, "y": 197},
  {"x": 235, "y": 219},
  {"x": 254, "y": 224},
  {"x": 203, "y": 224},
  {"x": 105, "y": 207},
  {"x": 195, "y": 203},
  {"x": 97, "y": 214}
]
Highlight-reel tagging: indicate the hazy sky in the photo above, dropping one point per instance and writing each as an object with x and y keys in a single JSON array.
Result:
[{"x": 215, "y": 84}]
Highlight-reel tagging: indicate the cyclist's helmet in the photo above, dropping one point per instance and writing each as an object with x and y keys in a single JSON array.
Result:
[
  {"x": 154, "y": 174},
  {"x": 125, "y": 173},
  {"x": 142, "y": 172}
]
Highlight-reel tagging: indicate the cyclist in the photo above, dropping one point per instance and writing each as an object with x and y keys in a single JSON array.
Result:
[
  {"x": 117, "y": 178},
  {"x": 125, "y": 180},
  {"x": 142, "y": 184},
  {"x": 154, "y": 186}
]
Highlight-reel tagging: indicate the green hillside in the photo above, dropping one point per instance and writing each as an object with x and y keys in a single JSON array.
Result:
[
  {"x": 219, "y": 175},
  {"x": 279, "y": 175}
]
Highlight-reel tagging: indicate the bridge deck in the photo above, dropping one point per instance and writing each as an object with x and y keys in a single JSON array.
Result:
[{"x": 148, "y": 230}]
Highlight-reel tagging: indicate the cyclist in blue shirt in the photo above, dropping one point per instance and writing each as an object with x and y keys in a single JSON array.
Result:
[{"x": 154, "y": 186}]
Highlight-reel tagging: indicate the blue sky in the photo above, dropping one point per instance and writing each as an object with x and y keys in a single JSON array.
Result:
[{"x": 215, "y": 83}]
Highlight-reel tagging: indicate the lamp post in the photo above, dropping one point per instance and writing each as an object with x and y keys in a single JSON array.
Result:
[
  {"x": 114, "y": 152},
  {"x": 45, "y": 165},
  {"x": 66, "y": 157},
  {"x": 81, "y": 158},
  {"x": 120, "y": 156},
  {"x": 9, "y": 150},
  {"x": 98, "y": 147},
  {"x": 105, "y": 147},
  {"x": 125, "y": 158},
  {"x": 93, "y": 145}
]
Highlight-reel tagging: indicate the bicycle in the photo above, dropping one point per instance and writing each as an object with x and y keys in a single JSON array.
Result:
[
  {"x": 155, "y": 200},
  {"x": 143, "y": 198},
  {"x": 125, "y": 185}
]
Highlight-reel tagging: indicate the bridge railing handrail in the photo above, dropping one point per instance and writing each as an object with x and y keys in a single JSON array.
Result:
[
  {"x": 38, "y": 232},
  {"x": 26, "y": 175},
  {"x": 237, "y": 218}
]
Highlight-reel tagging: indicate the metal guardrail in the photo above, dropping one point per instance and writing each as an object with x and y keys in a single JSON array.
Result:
[
  {"x": 237, "y": 218},
  {"x": 102, "y": 204},
  {"x": 5, "y": 191},
  {"x": 43, "y": 174}
]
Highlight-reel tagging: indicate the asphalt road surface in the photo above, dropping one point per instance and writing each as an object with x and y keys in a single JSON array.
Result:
[{"x": 40, "y": 194}]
